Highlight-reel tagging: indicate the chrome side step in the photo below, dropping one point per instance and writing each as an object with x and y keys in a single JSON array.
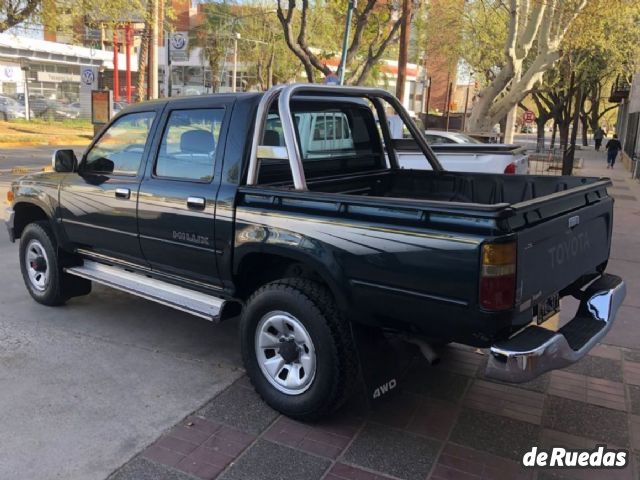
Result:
[{"x": 190, "y": 301}]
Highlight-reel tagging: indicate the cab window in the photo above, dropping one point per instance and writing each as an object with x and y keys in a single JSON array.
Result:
[
  {"x": 188, "y": 146},
  {"x": 119, "y": 150}
]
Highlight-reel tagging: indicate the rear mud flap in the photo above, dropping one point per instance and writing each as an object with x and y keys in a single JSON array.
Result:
[{"x": 381, "y": 363}]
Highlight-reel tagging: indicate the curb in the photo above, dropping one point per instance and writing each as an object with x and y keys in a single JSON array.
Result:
[{"x": 25, "y": 170}]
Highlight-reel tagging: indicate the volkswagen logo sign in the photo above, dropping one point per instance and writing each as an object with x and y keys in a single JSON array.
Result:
[
  {"x": 88, "y": 76},
  {"x": 178, "y": 41}
]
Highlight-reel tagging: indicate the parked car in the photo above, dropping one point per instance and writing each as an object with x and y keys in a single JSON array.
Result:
[
  {"x": 68, "y": 110},
  {"x": 461, "y": 153},
  {"x": 223, "y": 207},
  {"x": 119, "y": 106},
  {"x": 437, "y": 137},
  {"x": 10, "y": 109}
]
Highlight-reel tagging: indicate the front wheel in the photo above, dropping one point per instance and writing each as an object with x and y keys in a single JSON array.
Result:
[
  {"x": 297, "y": 349},
  {"x": 41, "y": 269}
]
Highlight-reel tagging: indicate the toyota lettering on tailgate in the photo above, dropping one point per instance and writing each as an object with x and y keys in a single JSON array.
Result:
[{"x": 569, "y": 249}]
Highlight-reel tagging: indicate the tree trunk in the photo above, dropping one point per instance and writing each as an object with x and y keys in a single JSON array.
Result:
[
  {"x": 563, "y": 130},
  {"x": 142, "y": 64},
  {"x": 540, "y": 121},
  {"x": 553, "y": 135},
  {"x": 585, "y": 130}
]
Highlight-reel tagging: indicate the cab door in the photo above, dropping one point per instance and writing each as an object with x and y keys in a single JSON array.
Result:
[
  {"x": 177, "y": 200},
  {"x": 98, "y": 203}
]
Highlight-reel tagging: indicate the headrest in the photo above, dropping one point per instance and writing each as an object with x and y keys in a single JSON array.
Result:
[
  {"x": 271, "y": 138},
  {"x": 197, "y": 141}
]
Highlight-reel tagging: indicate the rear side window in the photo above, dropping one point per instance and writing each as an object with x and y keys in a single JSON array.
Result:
[
  {"x": 188, "y": 146},
  {"x": 333, "y": 140},
  {"x": 119, "y": 150}
]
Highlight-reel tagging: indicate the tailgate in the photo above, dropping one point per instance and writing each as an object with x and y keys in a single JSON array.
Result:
[{"x": 555, "y": 253}]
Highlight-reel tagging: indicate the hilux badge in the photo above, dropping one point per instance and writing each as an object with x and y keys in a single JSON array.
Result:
[{"x": 573, "y": 221}]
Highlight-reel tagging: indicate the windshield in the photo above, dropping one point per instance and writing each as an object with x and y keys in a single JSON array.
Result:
[{"x": 462, "y": 138}]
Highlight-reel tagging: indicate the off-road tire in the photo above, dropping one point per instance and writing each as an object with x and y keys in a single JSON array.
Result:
[
  {"x": 336, "y": 360},
  {"x": 59, "y": 286}
]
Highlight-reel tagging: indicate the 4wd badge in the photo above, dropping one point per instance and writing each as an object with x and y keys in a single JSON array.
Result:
[{"x": 385, "y": 388}]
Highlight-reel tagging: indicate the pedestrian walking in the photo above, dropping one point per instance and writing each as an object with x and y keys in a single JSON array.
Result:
[
  {"x": 613, "y": 147},
  {"x": 598, "y": 135}
]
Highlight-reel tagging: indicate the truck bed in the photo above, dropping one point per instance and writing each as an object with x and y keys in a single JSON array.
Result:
[{"x": 523, "y": 199}]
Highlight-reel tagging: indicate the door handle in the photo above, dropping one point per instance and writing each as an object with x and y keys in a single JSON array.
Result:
[
  {"x": 123, "y": 193},
  {"x": 197, "y": 203}
]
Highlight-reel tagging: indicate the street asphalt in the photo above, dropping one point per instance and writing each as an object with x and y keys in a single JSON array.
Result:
[
  {"x": 86, "y": 386},
  {"x": 29, "y": 157}
]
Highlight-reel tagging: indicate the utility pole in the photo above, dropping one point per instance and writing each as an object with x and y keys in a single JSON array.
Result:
[
  {"x": 449, "y": 93},
  {"x": 345, "y": 40},
  {"x": 428, "y": 100},
  {"x": 127, "y": 46},
  {"x": 466, "y": 106},
  {"x": 405, "y": 36},
  {"x": 153, "y": 52},
  {"x": 234, "y": 74},
  {"x": 169, "y": 80}
]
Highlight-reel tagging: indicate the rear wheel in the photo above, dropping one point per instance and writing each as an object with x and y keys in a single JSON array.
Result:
[{"x": 297, "y": 349}]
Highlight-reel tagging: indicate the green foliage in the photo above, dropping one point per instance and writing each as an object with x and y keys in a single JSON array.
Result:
[
  {"x": 484, "y": 34},
  {"x": 261, "y": 48}
]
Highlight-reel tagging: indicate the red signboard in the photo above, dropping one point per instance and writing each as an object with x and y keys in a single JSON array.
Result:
[{"x": 528, "y": 116}]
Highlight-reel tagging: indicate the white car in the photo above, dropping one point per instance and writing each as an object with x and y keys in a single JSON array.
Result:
[
  {"x": 458, "y": 152},
  {"x": 438, "y": 137}
]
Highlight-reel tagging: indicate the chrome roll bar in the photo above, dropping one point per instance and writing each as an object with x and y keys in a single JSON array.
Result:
[{"x": 285, "y": 93}]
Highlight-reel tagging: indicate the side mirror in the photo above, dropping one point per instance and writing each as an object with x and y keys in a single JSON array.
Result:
[{"x": 64, "y": 161}]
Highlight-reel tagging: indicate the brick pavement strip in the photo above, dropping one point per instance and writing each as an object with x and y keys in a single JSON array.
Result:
[
  {"x": 595, "y": 391},
  {"x": 506, "y": 400}
]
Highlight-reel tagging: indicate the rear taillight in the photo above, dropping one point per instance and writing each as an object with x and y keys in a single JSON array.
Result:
[
  {"x": 498, "y": 276},
  {"x": 510, "y": 169}
]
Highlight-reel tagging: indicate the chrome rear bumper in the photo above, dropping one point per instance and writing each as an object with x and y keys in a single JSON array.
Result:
[{"x": 536, "y": 350}]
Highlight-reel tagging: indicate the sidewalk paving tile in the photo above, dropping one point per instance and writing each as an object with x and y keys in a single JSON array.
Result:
[
  {"x": 326, "y": 440},
  {"x": 434, "y": 418},
  {"x": 634, "y": 398},
  {"x": 268, "y": 461},
  {"x": 495, "y": 434},
  {"x": 506, "y": 400},
  {"x": 396, "y": 410},
  {"x": 631, "y": 372},
  {"x": 461, "y": 359},
  {"x": 606, "y": 351},
  {"x": 240, "y": 407},
  {"x": 142, "y": 469},
  {"x": 342, "y": 471},
  {"x": 585, "y": 420},
  {"x": 632, "y": 355},
  {"x": 435, "y": 382},
  {"x": 634, "y": 431},
  {"x": 393, "y": 452},
  {"x": 595, "y": 391},
  {"x": 552, "y": 438},
  {"x": 458, "y": 462},
  {"x": 599, "y": 367},
  {"x": 625, "y": 331}
]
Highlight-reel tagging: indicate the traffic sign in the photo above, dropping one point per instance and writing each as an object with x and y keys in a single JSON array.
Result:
[
  {"x": 331, "y": 79},
  {"x": 528, "y": 116},
  {"x": 179, "y": 46}
]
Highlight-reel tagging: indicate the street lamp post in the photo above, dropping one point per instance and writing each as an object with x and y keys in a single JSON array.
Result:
[
  {"x": 345, "y": 40},
  {"x": 24, "y": 66}
]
